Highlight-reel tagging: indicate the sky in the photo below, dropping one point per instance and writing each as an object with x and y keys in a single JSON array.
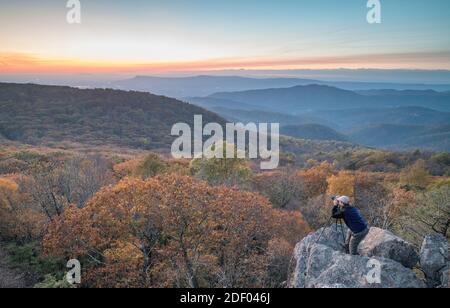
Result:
[{"x": 160, "y": 36}]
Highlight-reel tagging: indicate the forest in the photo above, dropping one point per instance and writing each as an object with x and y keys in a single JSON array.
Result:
[
  {"x": 143, "y": 219},
  {"x": 87, "y": 175}
]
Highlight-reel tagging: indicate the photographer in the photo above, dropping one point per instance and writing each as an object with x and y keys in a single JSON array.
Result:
[{"x": 358, "y": 227}]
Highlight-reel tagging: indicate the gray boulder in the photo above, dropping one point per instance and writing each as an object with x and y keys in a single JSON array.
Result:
[
  {"x": 333, "y": 237},
  {"x": 434, "y": 258},
  {"x": 445, "y": 277},
  {"x": 320, "y": 262},
  {"x": 328, "y": 286},
  {"x": 323, "y": 267},
  {"x": 384, "y": 244}
]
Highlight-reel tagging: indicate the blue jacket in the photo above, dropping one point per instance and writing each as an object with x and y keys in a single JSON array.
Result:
[{"x": 352, "y": 218}]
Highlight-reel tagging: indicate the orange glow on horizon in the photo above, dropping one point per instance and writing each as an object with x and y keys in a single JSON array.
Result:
[{"x": 17, "y": 63}]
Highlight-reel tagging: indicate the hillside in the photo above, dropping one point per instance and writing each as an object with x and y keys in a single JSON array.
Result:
[
  {"x": 37, "y": 114},
  {"x": 399, "y": 93},
  {"x": 405, "y": 137},
  {"x": 349, "y": 119},
  {"x": 181, "y": 87},
  {"x": 261, "y": 116},
  {"x": 425, "y": 98},
  {"x": 53, "y": 116},
  {"x": 382, "y": 118},
  {"x": 211, "y": 103},
  {"x": 301, "y": 99},
  {"x": 312, "y": 132},
  {"x": 298, "y": 99},
  {"x": 205, "y": 85}
]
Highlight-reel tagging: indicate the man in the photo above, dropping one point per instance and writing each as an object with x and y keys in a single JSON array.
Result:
[{"x": 358, "y": 227}]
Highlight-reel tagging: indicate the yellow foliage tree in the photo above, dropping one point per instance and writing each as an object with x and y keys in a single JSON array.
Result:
[
  {"x": 18, "y": 219},
  {"x": 222, "y": 171},
  {"x": 315, "y": 179},
  {"x": 8, "y": 190},
  {"x": 416, "y": 176},
  {"x": 342, "y": 184}
]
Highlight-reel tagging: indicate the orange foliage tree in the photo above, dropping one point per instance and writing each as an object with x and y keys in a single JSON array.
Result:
[
  {"x": 314, "y": 204},
  {"x": 18, "y": 220},
  {"x": 373, "y": 197},
  {"x": 315, "y": 179},
  {"x": 282, "y": 187},
  {"x": 173, "y": 231}
]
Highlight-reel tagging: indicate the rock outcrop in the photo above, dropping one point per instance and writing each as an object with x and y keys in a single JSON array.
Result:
[
  {"x": 445, "y": 279},
  {"x": 434, "y": 260},
  {"x": 384, "y": 244},
  {"x": 322, "y": 263}
]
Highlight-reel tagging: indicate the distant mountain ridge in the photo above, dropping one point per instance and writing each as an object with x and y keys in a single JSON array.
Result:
[
  {"x": 181, "y": 87},
  {"x": 262, "y": 116},
  {"x": 312, "y": 132},
  {"x": 297, "y": 99},
  {"x": 405, "y": 137},
  {"x": 204, "y": 85},
  {"x": 349, "y": 119},
  {"x": 301, "y": 99},
  {"x": 380, "y": 118}
]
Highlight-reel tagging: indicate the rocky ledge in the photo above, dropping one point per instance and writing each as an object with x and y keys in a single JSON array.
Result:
[{"x": 385, "y": 261}]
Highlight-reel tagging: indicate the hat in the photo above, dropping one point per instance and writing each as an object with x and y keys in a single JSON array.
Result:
[{"x": 344, "y": 199}]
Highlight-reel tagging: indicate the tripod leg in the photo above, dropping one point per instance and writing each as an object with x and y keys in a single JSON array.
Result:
[
  {"x": 344, "y": 237},
  {"x": 323, "y": 230}
]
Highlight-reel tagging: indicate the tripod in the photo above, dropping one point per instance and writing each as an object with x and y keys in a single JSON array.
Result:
[{"x": 337, "y": 222}]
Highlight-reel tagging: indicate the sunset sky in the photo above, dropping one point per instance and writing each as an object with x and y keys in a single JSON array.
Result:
[{"x": 151, "y": 36}]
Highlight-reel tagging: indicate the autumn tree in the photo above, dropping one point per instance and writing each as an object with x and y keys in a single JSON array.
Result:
[
  {"x": 172, "y": 231},
  {"x": 54, "y": 186},
  {"x": 316, "y": 210},
  {"x": 8, "y": 196},
  {"x": 373, "y": 198},
  {"x": 152, "y": 165},
  {"x": 7, "y": 189},
  {"x": 403, "y": 201},
  {"x": 222, "y": 171},
  {"x": 85, "y": 176},
  {"x": 432, "y": 210},
  {"x": 342, "y": 184},
  {"x": 314, "y": 204},
  {"x": 281, "y": 187},
  {"x": 416, "y": 176},
  {"x": 315, "y": 179},
  {"x": 19, "y": 221}
]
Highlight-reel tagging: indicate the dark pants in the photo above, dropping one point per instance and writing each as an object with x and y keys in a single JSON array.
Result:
[{"x": 354, "y": 239}]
